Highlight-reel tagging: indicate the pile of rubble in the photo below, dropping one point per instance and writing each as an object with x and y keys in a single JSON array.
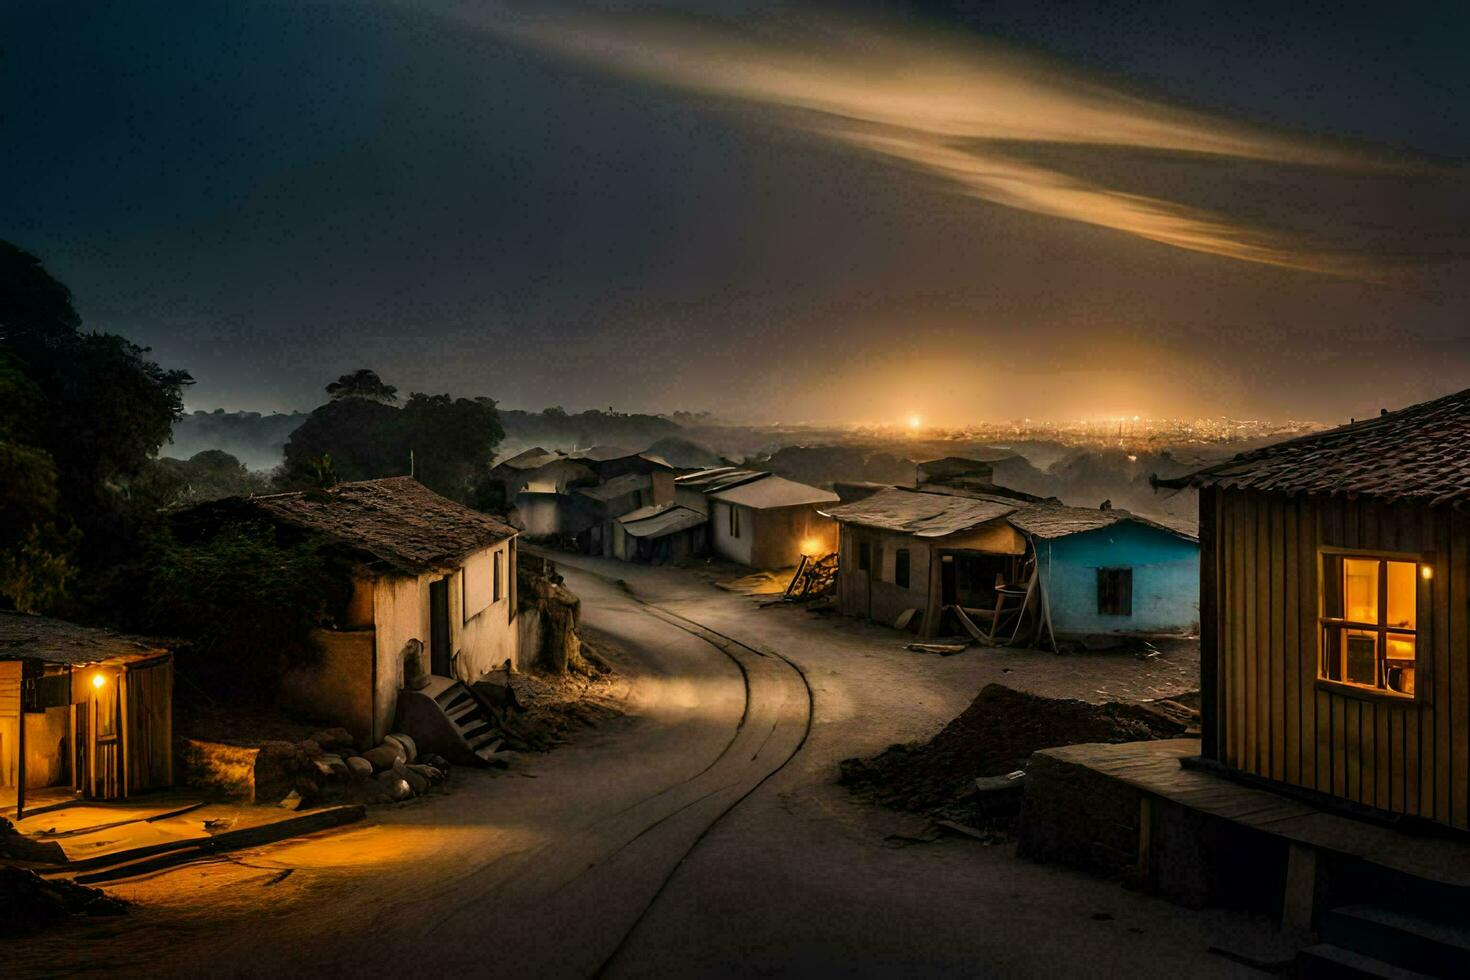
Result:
[
  {"x": 972, "y": 772},
  {"x": 328, "y": 768},
  {"x": 29, "y": 902}
]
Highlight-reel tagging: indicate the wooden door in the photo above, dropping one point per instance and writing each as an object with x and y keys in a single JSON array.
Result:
[
  {"x": 439, "y": 639},
  {"x": 149, "y": 736}
]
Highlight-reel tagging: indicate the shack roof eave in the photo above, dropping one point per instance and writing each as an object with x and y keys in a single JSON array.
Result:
[
  {"x": 24, "y": 636},
  {"x": 1419, "y": 454}
]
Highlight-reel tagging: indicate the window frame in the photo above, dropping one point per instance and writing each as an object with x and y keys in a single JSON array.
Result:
[
  {"x": 902, "y": 559},
  {"x": 1423, "y": 608},
  {"x": 864, "y": 556}
]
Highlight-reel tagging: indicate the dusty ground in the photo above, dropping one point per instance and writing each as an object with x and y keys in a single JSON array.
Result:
[{"x": 702, "y": 834}]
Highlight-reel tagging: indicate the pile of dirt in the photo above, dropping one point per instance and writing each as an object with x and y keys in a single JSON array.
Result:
[
  {"x": 994, "y": 736},
  {"x": 29, "y": 903},
  {"x": 538, "y": 710}
]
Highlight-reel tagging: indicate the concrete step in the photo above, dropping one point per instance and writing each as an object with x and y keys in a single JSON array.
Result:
[
  {"x": 1325, "y": 961},
  {"x": 1436, "y": 948},
  {"x": 467, "y": 707}
]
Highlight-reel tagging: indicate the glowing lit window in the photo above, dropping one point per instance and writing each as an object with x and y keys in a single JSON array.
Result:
[{"x": 1370, "y": 618}]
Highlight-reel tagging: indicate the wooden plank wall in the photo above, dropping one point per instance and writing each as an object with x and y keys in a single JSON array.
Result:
[
  {"x": 10, "y": 688},
  {"x": 149, "y": 736},
  {"x": 1271, "y": 718}
]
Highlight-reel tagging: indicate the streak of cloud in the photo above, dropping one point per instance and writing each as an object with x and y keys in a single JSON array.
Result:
[{"x": 962, "y": 109}]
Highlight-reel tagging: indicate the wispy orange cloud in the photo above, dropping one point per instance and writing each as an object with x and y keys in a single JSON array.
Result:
[{"x": 960, "y": 110}]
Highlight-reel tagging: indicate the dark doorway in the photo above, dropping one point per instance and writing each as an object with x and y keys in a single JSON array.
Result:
[
  {"x": 439, "y": 628},
  {"x": 946, "y": 581}
]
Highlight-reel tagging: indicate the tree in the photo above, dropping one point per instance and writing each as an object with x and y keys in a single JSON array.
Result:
[
  {"x": 453, "y": 441},
  {"x": 81, "y": 415},
  {"x": 363, "y": 437},
  {"x": 246, "y": 598},
  {"x": 362, "y": 383},
  {"x": 206, "y": 475},
  {"x": 446, "y": 442}
]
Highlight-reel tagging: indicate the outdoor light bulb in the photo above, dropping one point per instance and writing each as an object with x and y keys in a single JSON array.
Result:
[
  {"x": 1427, "y": 571},
  {"x": 98, "y": 680}
]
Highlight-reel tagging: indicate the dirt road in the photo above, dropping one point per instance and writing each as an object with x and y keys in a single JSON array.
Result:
[{"x": 701, "y": 835}]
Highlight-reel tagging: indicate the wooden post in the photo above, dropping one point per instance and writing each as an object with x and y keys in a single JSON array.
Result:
[
  {"x": 1209, "y": 640},
  {"x": 936, "y": 596},
  {"x": 122, "y": 743},
  {"x": 20, "y": 739},
  {"x": 92, "y": 746}
]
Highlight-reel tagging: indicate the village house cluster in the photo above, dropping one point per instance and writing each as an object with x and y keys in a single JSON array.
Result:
[{"x": 1328, "y": 585}]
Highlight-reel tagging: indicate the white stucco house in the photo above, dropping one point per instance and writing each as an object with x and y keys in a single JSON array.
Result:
[{"x": 426, "y": 569}]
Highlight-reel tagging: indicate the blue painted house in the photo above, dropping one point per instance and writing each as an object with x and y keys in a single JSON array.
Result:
[
  {"x": 1109, "y": 571},
  {"x": 1011, "y": 568}
]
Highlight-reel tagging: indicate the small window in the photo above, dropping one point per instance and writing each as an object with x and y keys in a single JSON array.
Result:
[
  {"x": 865, "y": 556},
  {"x": 901, "y": 568},
  {"x": 734, "y": 520},
  {"x": 498, "y": 592},
  {"x": 1370, "y": 616},
  {"x": 514, "y": 565},
  {"x": 1115, "y": 592}
]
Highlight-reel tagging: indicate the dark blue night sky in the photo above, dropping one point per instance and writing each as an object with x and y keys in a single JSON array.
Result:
[{"x": 550, "y": 207}]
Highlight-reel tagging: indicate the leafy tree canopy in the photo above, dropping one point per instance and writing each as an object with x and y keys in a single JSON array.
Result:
[
  {"x": 81, "y": 415},
  {"x": 362, "y": 383},
  {"x": 446, "y": 442},
  {"x": 206, "y": 475}
]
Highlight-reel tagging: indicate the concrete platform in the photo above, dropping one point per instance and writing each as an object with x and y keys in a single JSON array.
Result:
[{"x": 1132, "y": 810}]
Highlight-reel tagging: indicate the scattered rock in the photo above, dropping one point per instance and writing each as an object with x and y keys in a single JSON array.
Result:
[
  {"x": 386, "y": 756},
  {"x": 397, "y": 787},
  {"x": 433, "y": 774},
  {"x": 410, "y": 750},
  {"x": 359, "y": 767},
  {"x": 437, "y": 761},
  {"x": 292, "y": 801},
  {"x": 417, "y": 781}
]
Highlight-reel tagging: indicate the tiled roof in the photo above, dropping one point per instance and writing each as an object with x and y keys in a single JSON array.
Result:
[
  {"x": 397, "y": 520},
  {"x": 1417, "y": 453}
]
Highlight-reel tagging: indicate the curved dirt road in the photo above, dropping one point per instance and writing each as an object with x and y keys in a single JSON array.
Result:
[{"x": 543, "y": 876}]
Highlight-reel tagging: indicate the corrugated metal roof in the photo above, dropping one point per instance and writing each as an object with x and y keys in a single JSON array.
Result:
[
  {"x": 527, "y": 459},
  {"x": 934, "y": 513},
  {"x": 922, "y": 514},
  {"x": 718, "y": 478},
  {"x": 774, "y": 491},
  {"x": 660, "y": 520},
  {"x": 1417, "y": 453},
  {"x": 26, "y": 637},
  {"x": 618, "y": 486}
]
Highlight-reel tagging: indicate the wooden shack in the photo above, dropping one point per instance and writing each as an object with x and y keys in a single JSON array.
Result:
[
  {"x": 1335, "y": 608},
  {"x": 82, "y": 708}
]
